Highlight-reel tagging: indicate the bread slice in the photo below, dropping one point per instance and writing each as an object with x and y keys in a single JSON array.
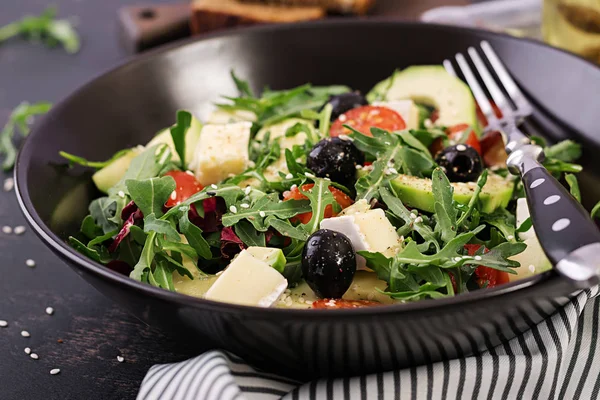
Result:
[
  {"x": 211, "y": 15},
  {"x": 359, "y": 7}
]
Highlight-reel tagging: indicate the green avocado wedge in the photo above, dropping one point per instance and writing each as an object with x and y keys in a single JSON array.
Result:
[
  {"x": 109, "y": 176},
  {"x": 417, "y": 192},
  {"x": 430, "y": 85}
]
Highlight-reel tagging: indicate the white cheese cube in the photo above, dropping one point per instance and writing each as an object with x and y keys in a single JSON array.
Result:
[
  {"x": 522, "y": 215},
  {"x": 368, "y": 231},
  {"x": 221, "y": 151},
  {"x": 248, "y": 281},
  {"x": 407, "y": 110}
]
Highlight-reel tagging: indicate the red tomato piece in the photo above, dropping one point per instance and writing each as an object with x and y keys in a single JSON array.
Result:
[
  {"x": 486, "y": 275},
  {"x": 481, "y": 117},
  {"x": 366, "y": 117},
  {"x": 186, "y": 185},
  {"x": 340, "y": 197},
  {"x": 456, "y": 133},
  {"x": 493, "y": 150},
  {"x": 340, "y": 303}
]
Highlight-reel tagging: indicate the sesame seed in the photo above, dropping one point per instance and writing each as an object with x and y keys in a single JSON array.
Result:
[
  {"x": 233, "y": 209},
  {"x": 27, "y": 350},
  {"x": 461, "y": 147},
  {"x": 309, "y": 175},
  {"x": 173, "y": 195},
  {"x": 34, "y": 356},
  {"x": 262, "y": 214},
  {"x": 245, "y": 205},
  {"x": 121, "y": 194},
  {"x": 294, "y": 186},
  {"x": 49, "y": 310},
  {"x": 457, "y": 259},
  {"x": 248, "y": 190},
  {"x": 54, "y": 371},
  {"x": 189, "y": 172},
  {"x": 214, "y": 186},
  {"x": 478, "y": 258},
  {"x": 25, "y": 334},
  {"x": 289, "y": 176},
  {"x": 418, "y": 220},
  {"x": 120, "y": 359},
  {"x": 393, "y": 170},
  {"x": 343, "y": 118},
  {"x": 510, "y": 237},
  {"x": 30, "y": 263},
  {"x": 413, "y": 216},
  {"x": 309, "y": 302},
  {"x": 7, "y": 229},
  {"x": 3, "y": 323},
  {"x": 19, "y": 230},
  {"x": 9, "y": 184},
  {"x": 387, "y": 171},
  {"x": 358, "y": 167},
  {"x": 531, "y": 268}
]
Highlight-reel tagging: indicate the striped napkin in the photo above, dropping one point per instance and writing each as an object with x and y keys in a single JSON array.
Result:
[{"x": 554, "y": 360}]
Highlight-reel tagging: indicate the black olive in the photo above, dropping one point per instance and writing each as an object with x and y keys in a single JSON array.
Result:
[
  {"x": 336, "y": 159},
  {"x": 346, "y": 101},
  {"x": 328, "y": 263},
  {"x": 460, "y": 162}
]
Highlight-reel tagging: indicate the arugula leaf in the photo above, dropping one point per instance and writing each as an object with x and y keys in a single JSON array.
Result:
[
  {"x": 230, "y": 193},
  {"x": 481, "y": 181},
  {"x": 145, "y": 262},
  {"x": 504, "y": 221},
  {"x": 320, "y": 197},
  {"x": 44, "y": 27},
  {"x": 498, "y": 257},
  {"x": 102, "y": 210},
  {"x": 181, "y": 248},
  {"x": 325, "y": 120},
  {"x": 566, "y": 151},
  {"x": 428, "y": 136},
  {"x": 595, "y": 210},
  {"x": 101, "y": 239},
  {"x": 268, "y": 205},
  {"x": 162, "y": 276},
  {"x": 89, "y": 228},
  {"x": 445, "y": 211},
  {"x": 19, "y": 119},
  {"x": 408, "y": 138},
  {"x": 95, "y": 254},
  {"x": 249, "y": 235},
  {"x": 73, "y": 159},
  {"x": 242, "y": 85},
  {"x": 574, "y": 186},
  {"x": 162, "y": 227},
  {"x": 525, "y": 226},
  {"x": 150, "y": 195},
  {"x": 193, "y": 234},
  {"x": 178, "y": 133},
  {"x": 287, "y": 229}
]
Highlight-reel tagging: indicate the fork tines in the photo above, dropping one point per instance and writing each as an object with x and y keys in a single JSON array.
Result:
[{"x": 497, "y": 83}]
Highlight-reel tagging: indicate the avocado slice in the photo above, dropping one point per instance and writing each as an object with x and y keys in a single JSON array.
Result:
[
  {"x": 431, "y": 85},
  {"x": 272, "y": 256},
  {"x": 109, "y": 176},
  {"x": 191, "y": 140},
  {"x": 417, "y": 192},
  {"x": 533, "y": 260}
]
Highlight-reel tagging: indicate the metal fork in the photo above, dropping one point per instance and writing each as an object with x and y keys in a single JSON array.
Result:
[{"x": 565, "y": 230}]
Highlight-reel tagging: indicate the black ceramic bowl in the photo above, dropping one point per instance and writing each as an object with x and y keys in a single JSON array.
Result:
[{"x": 127, "y": 105}]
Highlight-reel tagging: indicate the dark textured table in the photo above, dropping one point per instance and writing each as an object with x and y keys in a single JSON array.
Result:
[{"x": 92, "y": 329}]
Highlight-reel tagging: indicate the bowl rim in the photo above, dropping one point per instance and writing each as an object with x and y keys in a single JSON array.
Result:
[{"x": 76, "y": 259}]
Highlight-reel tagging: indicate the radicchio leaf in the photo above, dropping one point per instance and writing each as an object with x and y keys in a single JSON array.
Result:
[
  {"x": 214, "y": 208},
  {"x": 119, "y": 266},
  {"x": 133, "y": 217},
  {"x": 231, "y": 244}
]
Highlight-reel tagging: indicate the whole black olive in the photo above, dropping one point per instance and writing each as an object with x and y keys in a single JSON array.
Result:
[
  {"x": 460, "y": 162},
  {"x": 336, "y": 159},
  {"x": 328, "y": 263},
  {"x": 344, "y": 102}
]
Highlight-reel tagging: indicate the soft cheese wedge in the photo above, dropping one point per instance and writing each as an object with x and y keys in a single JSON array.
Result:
[
  {"x": 248, "y": 281},
  {"x": 406, "y": 108},
  {"x": 221, "y": 151},
  {"x": 368, "y": 231}
]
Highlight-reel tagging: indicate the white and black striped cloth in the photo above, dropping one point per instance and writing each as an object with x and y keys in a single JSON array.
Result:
[{"x": 558, "y": 359}]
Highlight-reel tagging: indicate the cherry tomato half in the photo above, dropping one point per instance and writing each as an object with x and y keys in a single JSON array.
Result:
[
  {"x": 486, "y": 275},
  {"x": 186, "y": 185},
  {"x": 456, "y": 133},
  {"x": 340, "y": 197},
  {"x": 340, "y": 303},
  {"x": 366, "y": 117}
]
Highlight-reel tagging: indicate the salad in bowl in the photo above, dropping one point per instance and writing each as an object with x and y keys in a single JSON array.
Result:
[{"x": 321, "y": 197}]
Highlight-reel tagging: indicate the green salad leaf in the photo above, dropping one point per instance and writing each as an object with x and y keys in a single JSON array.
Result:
[
  {"x": 178, "y": 133},
  {"x": 150, "y": 195}
]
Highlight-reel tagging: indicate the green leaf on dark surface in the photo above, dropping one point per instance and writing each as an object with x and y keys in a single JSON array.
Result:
[
  {"x": 89, "y": 228},
  {"x": 162, "y": 227},
  {"x": 444, "y": 205},
  {"x": 181, "y": 248},
  {"x": 83, "y": 249},
  {"x": 473, "y": 202},
  {"x": 46, "y": 28},
  {"x": 162, "y": 276},
  {"x": 525, "y": 226},
  {"x": 503, "y": 220},
  {"x": 144, "y": 264},
  {"x": 566, "y": 151},
  {"x": 101, "y": 239},
  {"x": 242, "y": 86},
  {"x": 249, "y": 235},
  {"x": 178, "y": 133},
  {"x": 73, "y": 159},
  {"x": 18, "y": 121},
  {"x": 150, "y": 195},
  {"x": 595, "y": 213},
  {"x": 573, "y": 186},
  {"x": 193, "y": 234},
  {"x": 320, "y": 197}
]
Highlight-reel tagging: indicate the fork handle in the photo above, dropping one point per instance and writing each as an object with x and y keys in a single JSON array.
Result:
[{"x": 564, "y": 228}]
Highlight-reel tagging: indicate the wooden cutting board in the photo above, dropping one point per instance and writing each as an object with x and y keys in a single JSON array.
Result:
[{"x": 144, "y": 27}]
